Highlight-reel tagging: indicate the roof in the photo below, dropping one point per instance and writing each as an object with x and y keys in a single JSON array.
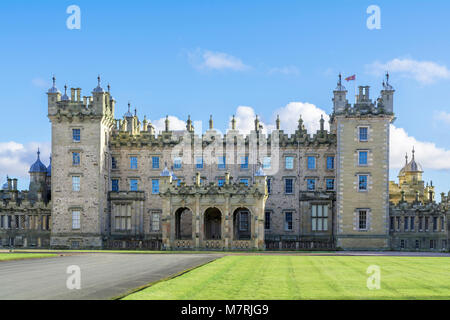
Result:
[{"x": 38, "y": 166}]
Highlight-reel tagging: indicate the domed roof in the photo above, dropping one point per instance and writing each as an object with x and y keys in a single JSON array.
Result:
[
  {"x": 99, "y": 88},
  {"x": 5, "y": 185},
  {"x": 128, "y": 114},
  {"x": 411, "y": 166},
  {"x": 53, "y": 89},
  {"x": 38, "y": 166}
]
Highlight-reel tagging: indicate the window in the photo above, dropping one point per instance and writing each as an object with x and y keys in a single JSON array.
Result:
[
  {"x": 155, "y": 186},
  {"x": 289, "y": 163},
  {"x": 363, "y": 134},
  {"x": 442, "y": 224},
  {"x": 267, "y": 220},
  {"x": 420, "y": 223},
  {"x": 311, "y": 163},
  {"x": 319, "y": 217},
  {"x": 269, "y": 185},
  {"x": 417, "y": 244},
  {"x": 122, "y": 219},
  {"x": 133, "y": 185},
  {"x": 402, "y": 244},
  {"x": 444, "y": 244},
  {"x": 155, "y": 162},
  {"x": 133, "y": 163},
  {"x": 289, "y": 186},
  {"x": 330, "y": 163},
  {"x": 398, "y": 223},
  {"x": 243, "y": 221},
  {"x": 244, "y": 181},
  {"x": 392, "y": 224},
  {"x": 75, "y": 159},
  {"x": 362, "y": 186},
  {"x": 412, "y": 224},
  {"x": 311, "y": 184},
  {"x": 76, "y": 183},
  {"x": 362, "y": 221},
  {"x": 155, "y": 221},
  {"x": 244, "y": 162},
  {"x": 222, "y": 162},
  {"x": 362, "y": 158},
  {"x": 113, "y": 163},
  {"x": 330, "y": 184},
  {"x": 221, "y": 182},
  {"x": 76, "y": 135},
  {"x": 288, "y": 221},
  {"x": 432, "y": 244},
  {"x": 177, "y": 163},
  {"x": 406, "y": 224},
  {"x": 76, "y": 223},
  {"x": 426, "y": 223},
  {"x": 115, "y": 185},
  {"x": 267, "y": 163},
  {"x": 435, "y": 222},
  {"x": 199, "y": 162}
]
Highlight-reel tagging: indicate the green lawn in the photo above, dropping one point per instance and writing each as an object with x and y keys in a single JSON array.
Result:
[
  {"x": 20, "y": 256},
  {"x": 306, "y": 277}
]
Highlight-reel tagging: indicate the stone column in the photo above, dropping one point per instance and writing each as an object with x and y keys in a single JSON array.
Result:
[{"x": 196, "y": 216}]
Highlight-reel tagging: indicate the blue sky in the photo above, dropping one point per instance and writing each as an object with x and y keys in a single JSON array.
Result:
[{"x": 265, "y": 55}]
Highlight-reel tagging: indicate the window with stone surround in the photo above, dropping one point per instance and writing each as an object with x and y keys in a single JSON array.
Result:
[
  {"x": 311, "y": 163},
  {"x": 134, "y": 185},
  {"x": 155, "y": 186},
  {"x": 362, "y": 220},
  {"x": 319, "y": 217},
  {"x": 115, "y": 185},
  {"x": 133, "y": 163},
  {"x": 363, "y": 158},
  {"x": 330, "y": 163},
  {"x": 267, "y": 220},
  {"x": 363, "y": 134},
  {"x": 288, "y": 225},
  {"x": 311, "y": 184},
  {"x": 76, "y": 159},
  {"x": 155, "y": 162},
  {"x": 76, "y": 135},
  {"x": 76, "y": 220},
  {"x": 362, "y": 182},
  {"x": 75, "y": 183},
  {"x": 155, "y": 221},
  {"x": 122, "y": 217},
  {"x": 288, "y": 186},
  {"x": 289, "y": 163}
]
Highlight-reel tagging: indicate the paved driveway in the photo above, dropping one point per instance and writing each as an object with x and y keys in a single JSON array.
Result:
[{"x": 103, "y": 275}]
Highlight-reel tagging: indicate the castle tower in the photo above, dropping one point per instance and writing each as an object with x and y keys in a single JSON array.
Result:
[
  {"x": 80, "y": 167},
  {"x": 362, "y": 173},
  {"x": 38, "y": 180}
]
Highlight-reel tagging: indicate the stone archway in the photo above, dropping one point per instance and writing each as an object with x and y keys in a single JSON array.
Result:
[
  {"x": 242, "y": 226},
  {"x": 212, "y": 224},
  {"x": 183, "y": 224}
]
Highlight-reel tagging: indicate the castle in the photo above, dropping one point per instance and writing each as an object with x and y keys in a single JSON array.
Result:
[{"x": 119, "y": 184}]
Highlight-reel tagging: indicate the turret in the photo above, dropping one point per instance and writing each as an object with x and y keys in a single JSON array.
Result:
[
  {"x": 340, "y": 101},
  {"x": 38, "y": 180},
  {"x": 99, "y": 102},
  {"x": 387, "y": 96},
  {"x": 54, "y": 95}
]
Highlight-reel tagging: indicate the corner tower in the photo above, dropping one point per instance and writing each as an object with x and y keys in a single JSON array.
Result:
[
  {"x": 80, "y": 167},
  {"x": 363, "y": 170}
]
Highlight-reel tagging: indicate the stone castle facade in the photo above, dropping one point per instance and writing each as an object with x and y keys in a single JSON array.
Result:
[{"x": 119, "y": 184}]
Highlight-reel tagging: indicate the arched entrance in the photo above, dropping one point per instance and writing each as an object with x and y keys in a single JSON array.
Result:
[
  {"x": 183, "y": 224},
  {"x": 213, "y": 224},
  {"x": 242, "y": 226}
]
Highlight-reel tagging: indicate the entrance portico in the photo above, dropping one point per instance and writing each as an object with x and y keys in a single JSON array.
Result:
[{"x": 223, "y": 218}]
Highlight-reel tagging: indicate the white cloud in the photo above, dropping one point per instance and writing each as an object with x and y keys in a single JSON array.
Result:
[
  {"x": 16, "y": 159},
  {"x": 425, "y": 72},
  {"x": 427, "y": 153},
  {"x": 442, "y": 116},
  {"x": 287, "y": 70},
  {"x": 174, "y": 124},
  {"x": 40, "y": 83},
  {"x": 290, "y": 114},
  {"x": 209, "y": 60}
]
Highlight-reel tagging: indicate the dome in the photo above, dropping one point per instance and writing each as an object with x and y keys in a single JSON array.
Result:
[
  {"x": 411, "y": 166},
  {"x": 38, "y": 166},
  {"x": 53, "y": 89},
  {"x": 99, "y": 89},
  {"x": 5, "y": 185}
]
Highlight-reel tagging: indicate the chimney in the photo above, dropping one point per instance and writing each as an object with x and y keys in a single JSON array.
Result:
[
  {"x": 14, "y": 184},
  {"x": 72, "y": 94},
  {"x": 78, "y": 94}
]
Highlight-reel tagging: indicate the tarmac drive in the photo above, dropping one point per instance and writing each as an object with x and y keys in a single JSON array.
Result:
[{"x": 103, "y": 275}]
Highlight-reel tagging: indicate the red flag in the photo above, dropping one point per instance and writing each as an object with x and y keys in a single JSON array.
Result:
[{"x": 353, "y": 77}]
